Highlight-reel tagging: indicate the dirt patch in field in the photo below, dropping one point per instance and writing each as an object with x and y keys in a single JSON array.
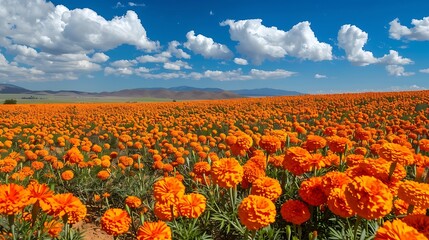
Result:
[{"x": 92, "y": 232}]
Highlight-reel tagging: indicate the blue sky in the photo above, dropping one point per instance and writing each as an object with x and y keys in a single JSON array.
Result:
[{"x": 307, "y": 46}]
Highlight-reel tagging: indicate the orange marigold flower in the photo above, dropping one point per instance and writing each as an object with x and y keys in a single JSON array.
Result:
[
  {"x": 115, "y": 221},
  {"x": 252, "y": 170},
  {"x": 73, "y": 155},
  {"x": 311, "y": 191},
  {"x": 397, "y": 229},
  {"x": 333, "y": 180},
  {"x": 369, "y": 197},
  {"x": 154, "y": 230},
  {"x": 270, "y": 143},
  {"x": 354, "y": 159},
  {"x": 201, "y": 168},
  {"x": 277, "y": 161},
  {"x": 103, "y": 174},
  {"x": 314, "y": 142},
  {"x": 192, "y": 205},
  {"x": 53, "y": 228},
  {"x": 338, "y": 144},
  {"x": 7, "y": 165},
  {"x": 40, "y": 193},
  {"x": 67, "y": 175},
  {"x": 414, "y": 193},
  {"x": 266, "y": 187},
  {"x": 164, "y": 210},
  {"x": 400, "y": 207},
  {"x": 424, "y": 145},
  {"x": 295, "y": 211},
  {"x": 13, "y": 198},
  {"x": 420, "y": 222},
  {"x": 256, "y": 212},
  {"x": 393, "y": 152},
  {"x": 67, "y": 206},
  {"x": 295, "y": 159},
  {"x": 337, "y": 203},
  {"x": 227, "y": 172},
  {"x": 133, "y": 201},
  {"x": 168, "y": 189}
]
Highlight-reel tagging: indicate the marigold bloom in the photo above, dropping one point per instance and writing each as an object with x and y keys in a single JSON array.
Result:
[
  {"x": 53, "y": 228},
  {"x": 67, "y": 205},
  {"x": 270, "y": 143},
  {"x": 201, "y": 168},
  {"x": 154, "y": 230},
  {"x": 337, "y": 203},
  {"x": 252, "y": 170},
  {"x": 400, "y": 207},
  {"x": 314, "y": 143},
  {"x": 266, "y": 187},
  {"x": 333, "y": 180},
  {"x": 103, "y": 174},
  {"x": 397, "y": 229},
  {"x": 369, "y": 197},
  {"x": 73, "y": 155},
  {"x": 41, "y": 193},
  {"x": 338, "y": 144},
  {"x": 67, "y": 175},
  {"x": 115, "y": 221},
  {"x": 133, "y": 201},
  {"x": 13, "y": 198},
  {"x": 192, "y": 205},
  {"x": 295, "y": 159},
  {"x": 164, "y": 210},
  {"x": 419, "y": 221},
  {"x": 424, "y": 145},
  {"x": 7, "y": 165},
  {"x": 256, "y": 212},
  {"x": 396, "y": 153},
  {"x": 414, "y": 193},
  {"x": 168, "y": 189},
  {"x": 295, "y": 211},
  {"x": 227, "y": 172},
  {"x": 311, "y": 191}
]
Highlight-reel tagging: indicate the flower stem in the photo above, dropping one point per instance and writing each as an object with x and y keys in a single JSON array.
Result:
[{"x": 357, "y": 223}]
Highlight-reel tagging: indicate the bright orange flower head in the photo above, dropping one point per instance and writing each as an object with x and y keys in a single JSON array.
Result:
[
  {"x": 314, "y": 143},
  {"x": 266, "y": 187},
  {"x": 337, "y": 203},
  {"x": 369, "y": 197},
  {"x": 270, "y": 143},
  {"x": 419, "y": 221},
  {"x": 13, "y": 198},
  {"x": 333, "y": 180},
  {"x": 165, "y": 211},
  {"x": 311, "y": 191},
  {"x": 68, "y": 207},
  {"x": 396, "y": 153},
  {"x": 227, "y": 172},
  {"x": 168, "y": 189},
  {"x": 397, "y": 229},
  {"x": 67, "y": 175},
  {"x": 133, "y": 201},
  {"x": 53, "y": 228},
  {"x": 424, "y": 145},
  {"x": 400, "y": 207},
  {"x": 192, "y": 205},
  {"x": 295, "y": 211},
  {"x": 41, "y": 193},
  {"x": 115, "y": 221},
  {"x": 103, "y": 175},
  {"x": 154, "y": 231},
  {"x": 73, "y": 155},
  {"x": 256, "y": 212},
  {"x": 414, "y": 193},
  {"x": 295, "y": 160},
  {"x": 338, "y": 144}
]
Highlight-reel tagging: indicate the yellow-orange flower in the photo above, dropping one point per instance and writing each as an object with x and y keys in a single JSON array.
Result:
[
  {"x": 192, "y": 205},
  {"x": 419, "y": 221},
  {"x": 266, "y": 187},
  {"x": 168, "y": 189},
  {"x": 424, "y": 145},
  {"x": 53, "y": 228},
  {"x": 333, "y": 180},
  {"x": 256, "y": 212},
  {"x": 270, "y": 143},
  {"x": 397, "y": 229},
  {"x": 369, "y": 197},
  {"x": 414, "y": 193},
  {"x": 400, "y": 207},
  {"x": 311, "y": 191},
  {"x": 133, "y": 201},
  {"x": 67, "y": 175},
  {"x": 337, "y": 203},
  {"x": 103, "y": 175},
  {"x": 40, "y": 193},
  {"x": 295, "y": 159},
  {"x": 13, "y": 198},
  {"x": 154, "y": 230},
  {"x": 73, "y": 155},
  {"x": 227, "y": 172},
  {"x": 67, "y": 206},
  {"x": 165, "y": 211},
  {"x": 396, "y": 153},
  {"x": 314, "y": 143},
  {"x": 115, "y": 221},
  {"x": 295, "y": 211},
  {"x": 338, "y": 144}
]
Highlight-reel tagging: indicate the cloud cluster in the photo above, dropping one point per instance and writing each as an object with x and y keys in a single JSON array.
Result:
[
  {"x": 258, "y": 42},
  {"x": 420, "y": 31},
  {"x": 352, "y": 39},
  {"x": 206, "y": 46}
]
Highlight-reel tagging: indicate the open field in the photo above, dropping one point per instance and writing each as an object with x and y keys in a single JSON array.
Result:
[
  {"x": 70, "y": 98},
  {"x": 346, "y": 166}
]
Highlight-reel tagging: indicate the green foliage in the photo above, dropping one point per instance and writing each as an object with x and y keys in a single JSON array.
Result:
[{"x": 10, "y": 101}]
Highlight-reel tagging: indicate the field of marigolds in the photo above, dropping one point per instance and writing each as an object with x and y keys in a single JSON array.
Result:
[{"x": 349, "y": 166}]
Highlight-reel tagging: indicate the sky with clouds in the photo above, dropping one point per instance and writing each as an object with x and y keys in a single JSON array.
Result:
[{"x": 308, "y": 46}]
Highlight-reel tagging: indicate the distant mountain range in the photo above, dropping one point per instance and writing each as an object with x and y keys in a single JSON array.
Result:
[{"x": 179, "y": 93}]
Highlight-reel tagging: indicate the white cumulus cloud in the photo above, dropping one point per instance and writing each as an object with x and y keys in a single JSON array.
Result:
[
  {"x": 398, "y": 71},
  {"x": 258, "y": 42},
  {"x": 177, "y": 65},
  {"x": 240, "y": 61},
  {"x": 426, "y": 70},
  {"x": 318, "y": 76},
  {"x": 420, "y": 31},
  {"x": 352, "y": 39},
  {"x": 206, "y": 46}
]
